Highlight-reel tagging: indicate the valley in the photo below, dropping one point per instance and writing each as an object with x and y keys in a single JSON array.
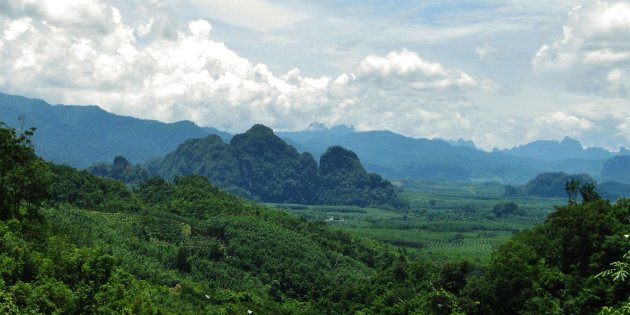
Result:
[
  {"x": 446, "y": 221},
  {"x": 249, "y": 223},
  {"x": 269, "y": 157}
]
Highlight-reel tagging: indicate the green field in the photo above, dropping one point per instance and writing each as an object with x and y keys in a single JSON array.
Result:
[{"x": 446, "y": 221}]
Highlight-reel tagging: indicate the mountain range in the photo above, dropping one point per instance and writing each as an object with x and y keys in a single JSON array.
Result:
[
  {"x": 81, "y": 136},
  {"x": 399, "y": 157}
]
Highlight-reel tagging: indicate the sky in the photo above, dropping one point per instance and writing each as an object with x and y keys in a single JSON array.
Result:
[{"x": 501, "y": 73}]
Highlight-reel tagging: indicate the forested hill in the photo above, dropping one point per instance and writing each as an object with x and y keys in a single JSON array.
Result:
[
  {"x": 83, "y": 135},
  {"x": 554, "y": 185},
  {"x": 74, "y": 243},
  {"x": 259, "y": 165}
]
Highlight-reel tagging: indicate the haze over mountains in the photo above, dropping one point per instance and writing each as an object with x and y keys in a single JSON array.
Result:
[
  {"x": 396, "y": 156},
  {"x": 84, "y": 135}
]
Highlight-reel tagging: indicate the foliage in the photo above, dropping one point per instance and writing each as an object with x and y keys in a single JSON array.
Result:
[
  {"x": 24, "y": 177},
  {"x": 187, "y": 247},
  {"x": 553, "y": 267},
  {"x": 345, "y": 181},
  {"x": 554, "y": 184},
  {"x": 620, "y": 269},
  {"x": 158, "y": 255},
  {"x": 507, "y": 208}
]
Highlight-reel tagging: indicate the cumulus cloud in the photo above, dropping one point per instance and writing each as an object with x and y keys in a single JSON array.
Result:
[
  {"x": 147, "y": 66},
  {"x": 408, "y": 69},
  {"x": 126, "y": 69},
  {"x": 593, "y": 50}
]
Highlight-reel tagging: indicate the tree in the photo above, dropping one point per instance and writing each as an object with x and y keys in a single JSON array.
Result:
[
  {"x": 620, "y": 271},
  {"x": 507, "y": 208},
  {"x": 24, "y": 177},
  {"x": 571, "y": 187},
  {"x": 588, "y": 193},
  {"x": 510, "y": 190}
]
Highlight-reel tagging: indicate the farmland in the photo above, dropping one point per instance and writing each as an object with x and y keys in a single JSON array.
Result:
[{"x": 447, "y": 221}]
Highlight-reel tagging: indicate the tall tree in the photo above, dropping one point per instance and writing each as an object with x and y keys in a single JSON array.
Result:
[{"x": 24, "y": 177}]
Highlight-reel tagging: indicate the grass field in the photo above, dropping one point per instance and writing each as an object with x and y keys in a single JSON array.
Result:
[{"x": 447, "y": 220}]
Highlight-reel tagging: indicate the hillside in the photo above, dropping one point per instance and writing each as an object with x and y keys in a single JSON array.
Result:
[
  {"x": 553, "y": 184},
  {"x": 259, "y": 165},
  {"x": 617, "y": 169},
  {"x": 92, "y": 246},
  {"x": 83, "y": 135},
  {"x": 74, "y": 243},
  {"x": 345, "y": 181}
]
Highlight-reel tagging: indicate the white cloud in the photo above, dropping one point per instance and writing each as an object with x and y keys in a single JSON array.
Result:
[
  {"x": 561, "y": 124},
  {"x": 594, "y": 43},
  {"x": 191, "y": 76},
  {"x": 144, "y": 64},
  {"x": 408, "y": 69}
]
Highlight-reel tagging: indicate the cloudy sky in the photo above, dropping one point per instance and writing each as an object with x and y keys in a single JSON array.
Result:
[{"x": 501, "y": 73}]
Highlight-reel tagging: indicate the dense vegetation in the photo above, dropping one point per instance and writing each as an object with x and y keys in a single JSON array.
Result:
[
  {"x": 553, "y": 184},
  {"x": 446, "y": 221},
  {"x": 74, "y": 243},
  {"x": 345, "y": 181},
  {"x": 552, "y": 268},
  {"x": 259, "y": 165},
  {"x": 550, "y": 184}
]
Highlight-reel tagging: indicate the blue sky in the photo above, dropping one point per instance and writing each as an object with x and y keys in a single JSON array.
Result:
[{"x": 501, "y": 73}]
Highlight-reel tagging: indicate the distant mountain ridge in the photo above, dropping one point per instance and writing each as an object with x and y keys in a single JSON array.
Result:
[
  {"x": 550, "y": 150},
  {"x": 399, "y": 157},
  {"x": 83, "y": 135}
]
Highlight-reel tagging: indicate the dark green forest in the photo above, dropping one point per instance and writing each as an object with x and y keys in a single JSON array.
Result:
[
  {"x": 75, "y": 243},
  {"x": 259, "y": 165},
  {"x": 553, "y": 184}
]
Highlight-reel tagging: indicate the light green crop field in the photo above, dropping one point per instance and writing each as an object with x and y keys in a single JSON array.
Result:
[{"x": 447, "y": 220}]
